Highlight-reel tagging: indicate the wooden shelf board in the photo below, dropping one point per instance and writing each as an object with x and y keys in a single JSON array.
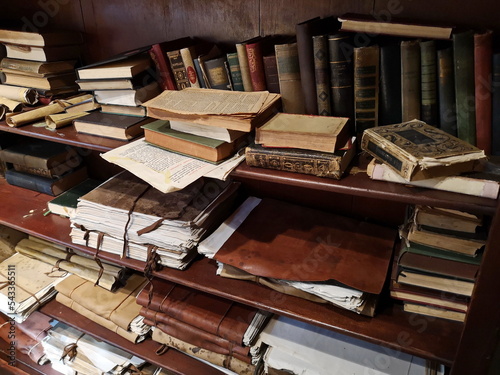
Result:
[
  {"x": 24, "y": 364},
  {"x": 434, "y": 339},
  {"x": 361, "y": 185},
  {"x": 173, "y": 360},
  {"x": 66, "y": 135}
]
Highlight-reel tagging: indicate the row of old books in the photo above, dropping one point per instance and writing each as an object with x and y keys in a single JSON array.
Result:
[{"x": 436, "y": 268}]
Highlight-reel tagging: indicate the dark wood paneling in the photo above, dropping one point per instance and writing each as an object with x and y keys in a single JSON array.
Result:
[{"x": 281, "y": 16}]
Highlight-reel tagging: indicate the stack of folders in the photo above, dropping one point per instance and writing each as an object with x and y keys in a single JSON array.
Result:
[
  {"x": 202, "y": 325},
  {"x": 294, "y": 347},
  {"x": 116, "y": 311},
  {"x": 127, "y": 216},
  {"x": 438, "y": 262},
  {"x": 307, "y": 253},
  {"x": 206, "y": 123},
  {"x": 314, "y": 145},
  {"x": 71, "y": 351},
  {"x": 43, "y": 61}
]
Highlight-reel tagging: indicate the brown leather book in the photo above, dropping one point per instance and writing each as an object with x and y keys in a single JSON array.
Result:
[
  {"x": 286, "y": 241},
  {"x": 215, "y": 315},
  {"x": 287, "y": 60},
  {"x": 410, "y": 80},
  {"x": 271, "y": 73},
  {"x": 322, "y": 74}
]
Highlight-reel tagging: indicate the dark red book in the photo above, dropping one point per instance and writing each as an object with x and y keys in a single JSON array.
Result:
[{"x": 256, "y": 63}]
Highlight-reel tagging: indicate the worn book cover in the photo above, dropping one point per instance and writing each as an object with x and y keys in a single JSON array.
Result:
[{"x": 417, "y": 151}]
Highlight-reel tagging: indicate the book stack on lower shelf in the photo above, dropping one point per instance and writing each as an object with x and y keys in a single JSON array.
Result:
[
  {"x": 438, "y": 263},
  {"x": 315, "y": 145}
]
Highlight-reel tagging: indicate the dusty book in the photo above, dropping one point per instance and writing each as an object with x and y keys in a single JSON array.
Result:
[
  {"x": 418, "y": 151},
  {"x": 309, "y": 132}
]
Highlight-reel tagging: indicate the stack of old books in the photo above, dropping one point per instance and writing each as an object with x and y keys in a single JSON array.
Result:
[
  {"x": 43, "y": 166},
  {"x": 127, "y": 216},
  {"x": 315, "y": 145},
  {"x": 207, "y": 123},
  {"x": 438, "y": 262},
  {"x": 44, "y": 61},
  {"x": 116, "y": 311},
  {"x": 319, "y": 256},
  {"x": 294, "y": 347},
  {"x": 202, "y": 325}
]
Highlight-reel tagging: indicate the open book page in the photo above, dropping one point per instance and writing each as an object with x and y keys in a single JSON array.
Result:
[
  {"x": 209, "y": 102},
  {"x": 165, "y": 170}
]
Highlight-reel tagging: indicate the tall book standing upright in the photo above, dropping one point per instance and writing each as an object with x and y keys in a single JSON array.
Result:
[
  {"x": 287, "y": 59},
  {"x": 340, "y": 50},
  {"x": 483, "y": 55},
  {"x": 366, "y": 83},
  {"x": 410, "y": 80},
  {"x": 495, "y": 99},
  {"x": 463, "y": 49},
  {"x": 322, "y": 74},
  {"x": 446, "y": 90},
  {"x": 235, "y": 71},
  {"x": 390, "y": 84},
  {"x": 429, "y": 106}
]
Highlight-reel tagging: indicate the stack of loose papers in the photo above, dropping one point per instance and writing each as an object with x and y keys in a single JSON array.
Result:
[
  {"x": 127, "y": 216},
  {"x": 91, "y": 356},
  {"x": 26, "y": 284},
  {"x": 301, "y": 348}
]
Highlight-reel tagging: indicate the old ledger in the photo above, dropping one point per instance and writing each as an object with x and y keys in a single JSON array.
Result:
[
  {"x": 314, "y": 249},
  {"x": 418, "y": 151},
  {"x": 228, "y": 109}
]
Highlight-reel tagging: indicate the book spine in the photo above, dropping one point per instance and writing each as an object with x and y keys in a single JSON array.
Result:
[
  {"x": 390, "y": 85},
  {"x": 446, "y": 90},
  {"x": 410, "y": 80},
  {"x": 35, "y": 171},
  {"x": 366, "y": 83},
  {"x": 165, "y": 76},
  {"x": 287, "y": 60},
  {"x": 31, "y": 182},
  {"x": 428, "y": 68},
  {"x": 217, "y": 74},
  {"x": 341, "y": 50},
  {"x": 322, "y": 74},
  {"x": 21, "y": 65},
  {"x": 245, "y": 69},
  {"x": 235, "y": 70},
  {"x": 280, "y": 159},
  {"x": 495, "y": 99},
  {"x": 483, "y": 55},
  {"x": 271, "y": 73},
  {"x": 178, "y": 69},
  {"x": 199, "y": 73},
  {"x": 187, "y": 60},
  {"x": 463, "y": 47},
  {"x": 256, "y": 66}
]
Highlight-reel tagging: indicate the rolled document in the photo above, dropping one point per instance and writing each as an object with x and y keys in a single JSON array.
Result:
[
  {"x": 3, "y": 111},
  {"x": 21, "y": 94},
  {"x": 12, "y": 105},
  {"x": 56, "y": 106},
  {"x": 60, "y": 120}
]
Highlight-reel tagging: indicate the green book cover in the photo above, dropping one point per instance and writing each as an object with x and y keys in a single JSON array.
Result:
[
  {"x": 65, "y": 203},
  {"x": 438, "y": 253}
]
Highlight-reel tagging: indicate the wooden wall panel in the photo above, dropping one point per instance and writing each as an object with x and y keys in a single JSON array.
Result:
[{"x": 281, "y": 16}]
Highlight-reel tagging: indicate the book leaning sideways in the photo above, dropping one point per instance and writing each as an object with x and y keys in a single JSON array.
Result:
[{"x": 419, "y": 151}]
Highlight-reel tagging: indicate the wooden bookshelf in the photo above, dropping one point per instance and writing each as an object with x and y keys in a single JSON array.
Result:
[
  {"x": 172, "y": 360},
  {"x": 24, "y": 364}
]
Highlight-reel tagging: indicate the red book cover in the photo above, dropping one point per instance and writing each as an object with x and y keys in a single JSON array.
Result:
[
  {"x": 483, "y": 56},
  {"x": 256, "y": 64}
]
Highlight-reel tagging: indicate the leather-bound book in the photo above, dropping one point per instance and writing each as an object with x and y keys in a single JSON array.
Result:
[
  {"x": 366, "y": 85},
  {"x": 178, "y": 69},
  {"x": 217, "y": 74},
  {"x": 446, "y": 90},
  {"x": 305, "y": 30},
  {"x": 483, "y": 55},
  {"x": 271, "y": 73},
  {"x": 390, "y": 84},
  {"x": 428, "y": 88},
  {"x": 322, "y": 74},
  {"x": 463, "y": 49},
  {"x": 235, "y": 71},
  {"x": 254, "y": 48},
  {"x": 245, "y": 69},
  {"x": 340, "y": 50},
  {"x": 287, "y": 60},
  {"x": 410, "y": 80},
  {"x": 495, "y": 101}
]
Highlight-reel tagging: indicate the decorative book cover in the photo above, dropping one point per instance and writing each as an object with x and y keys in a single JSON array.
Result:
[
  {"x": 410, "y": 80},
  {"x": 416, "y": 150},
  {"x": 446, "y": 90},
  {"x": 217, "y": 73},
  {"x": 178, "y": 69},
  {"x": 235, "y": 70},
  {"x": 322, "y": 74},
  {"x": 428, "y": 87},
  {"x": 483, "y": 56},
  {"x": 463, "y": 49},
  {"x": 254, "y": 48},
  {"x": 390, "y": 84},
  {"x": 340, "y": 50},
  {"x": 366, "y": 85}
]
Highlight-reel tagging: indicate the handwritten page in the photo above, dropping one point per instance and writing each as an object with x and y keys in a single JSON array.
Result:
[{"x": 165, "y": 170}]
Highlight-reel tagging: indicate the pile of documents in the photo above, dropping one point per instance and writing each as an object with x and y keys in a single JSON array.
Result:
[
  {"x": 296, "y": 347},
  {"x": 304, "y": 252},
  {"x": 127, "y": 216}
]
